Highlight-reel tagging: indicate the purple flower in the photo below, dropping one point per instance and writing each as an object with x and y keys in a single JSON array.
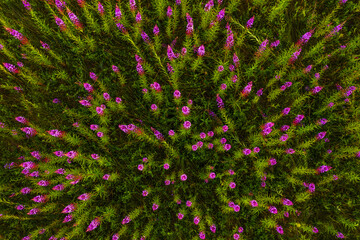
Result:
[
  {"x": 155, "y": 206},
  {"x": 280, "y": 230},
  {"x": 286, "y": 111},
  {"x": 84, "y": 196},
  {"x": 183, "y": 177},
  {"x": 275, "y": 44},
  {"x": 227, "y": 147},
  {"x": 94, "y": 224},
  {"x": 169, "y": 11},
  {"x": 232, "y": 185},
  {"x": 250, "y": 22},
  {"x": 340, "y": 235},
  {"x": 246, "y": 151},
  {"x": 273, "y": 210},
  {"x": 253, "y": 203},
  {"x": 153, "y": 107},
  {"x": 138, "y": 17},
  {"x": 187, "y": 124},
  {"x": 213, "y": 228},
  {"x": 201, "y": 50}
]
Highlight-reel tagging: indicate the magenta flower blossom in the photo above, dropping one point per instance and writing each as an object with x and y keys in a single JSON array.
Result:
[
  {"x": 155, "y": 206},
  {"x": 145, "y": 193},
  {"x": 256, "y": 149},
  {"x": 315, "y": 230},
  {"x": 169, "y": 68},
  {"x": 212, "y": 175},
  {"x": 280, "y": 230},
  {"x": 287, "y": 202},
  {"x": 241, "y": 229},
  {"x": 71, "y": 154},
  {"x": 84, "y": 197},
  {"x": 43, "y": 183},
  {"x": 132, "y": 4},
  {"x": 294, "y": 56},
  {"x": 30, "y": 132},
  {"x": 286, "y": 111},
  {"x": 290, "y": 151},
  {"x": 312, "y": 187},
  {"x": 180, "y": 216},
  {"x": 284, "y": 137},
  {"x": 320, "y": 135},
  {"x": 236, "y": 236},
  {"x": 183, "y": 177},
  {"x": 187, "y": 124},
  {"x": 236, "y": 208},
  {"x": 275, "y": 44},
  {"x": 253, "y": 203},
  {"x": 126, "y": 220},
  {"x": 202, "y": 235},
  {"x": 25, "y": 190},
  {"x": 340, "y": 235},
  {"x": 316, "y": 89},
  {"x": 94, "y": 127},
  {"x": 88, "y": 87},
  {"x": 225, "y": 128},
  {"x": 94, "y": 224},
  {"x": 138, "y": 17},
  {"x": 153, "y": 107},
  {"x": 232, "y": 185},
  {"x": 177, "y": 94},
  {"x": 246, "y": 151},
  {"x": 39, "y": 198},
  {"x": 58, "y": 187},
  {"x": 286, "y": 214},
  {"x": 273, "y": 210},
  {"x": 201, "y": 50},
  {"x": 21, "y": 120},
  {"x": 140, "y": 167},
  {"x": 26, "y": 4},
  {"x": 335, "y": 177},
  {"x": 156, "y": 30},
  {"x": 20, "y": 207},
  {"x": 185, "y": 110},
  {"x": 196, "y": 220},
  {"x": 194, "y": 147},
  {"x": 189, "y": 26},
  {"x": 284, "y": 128},
  {"x": 209, "y": 5},
  {"x": 166, "y": 166},
  {"x": 188, "y": 203},
  {"x": 106, "y": 176},
  {"x": 308, "y": 69},
  {"x": 69, "y": 208},
  {"x": 250, "y": 22},
  {"x": 169, "y": 11},
  {"x": 33, "y": 211}
]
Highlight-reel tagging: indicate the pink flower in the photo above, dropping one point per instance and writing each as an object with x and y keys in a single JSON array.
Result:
[
  {"x": 201, "y": 50},
  {"x": 194, "y": 147},
  {"x": 241, "y": 229},
  {"x": 145, "y": 193},
  {"x": 227, "y": 147},
  {"x": 94, "y": 224},
  {"x": 250, "y": 22},
  {"x": 315, "y": 230},
  {"x": 280, "y": 230},
  {"x": 284, "y": 137},
  {"x": 171, "y": 133},
  {"x": 167, "y": 182},
  {"x": 247, "y": 151},
  {"x": 272, "y": 161},
  {"x": 154, "y": 107},
  {"x": 39, "y": 198},
  {"x": 290, "y": 151},
  {"x": 100, "y": 134},
  {"x": 212, "y": 175},
  {"x": 71, "y": 154},
  {"x": 273, "y": 210},
  {"x": 106, "y": 177},
  {"x": 33, "y": 211},
  {"x": 225, "y": 128},
  {"x": 202, "y": 135},
  {"x": 187, "y": 124},
  {"x": 196, "y": 220},
  {"x": 236, "y": 236},
  {"x": 126, "y": 220},
  {"x": 256, "y": 149},
  {"x": 177, "y": 94},
  {"x": 213, "y": 228},
  {"x": 138, "y": 17},
  {"x": 236, "y": 208},
  {"x": 25, "y": 190},
  {"x": 210, "y": 133},
  {"x": 210, "y": 145},
  {"x": 140, "y": 167},
  {"x": 188, "y": 203},
  {"x": 253, "y": 203},
  {"x": 155, "y": 206},
  {"x": 58, "y": 187},
  {"x": 183, "y": 177},
  {"x": 202, "y": 235},
  {"x": 84, "y": 196},
  {"x": 166, "y": 166},
  {"x": 68, "y": 209},
  {"x": 287, "y": 202},
  {"x": 232, "y": 185},
  {"x": 335, "y": 177},
  {"x": 286, "y": 214},
  {"x": 180, "y": 216},
  {"x": 185, "y": 110}
]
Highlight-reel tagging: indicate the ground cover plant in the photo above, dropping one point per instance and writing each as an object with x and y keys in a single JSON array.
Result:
[{"x": 179, "y": 119}]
